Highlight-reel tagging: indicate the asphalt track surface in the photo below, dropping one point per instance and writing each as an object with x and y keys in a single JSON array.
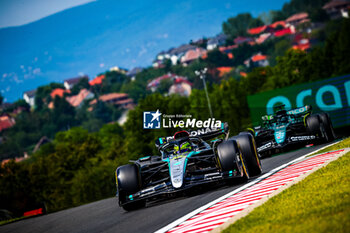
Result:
[{"x": 107, "y": 216}]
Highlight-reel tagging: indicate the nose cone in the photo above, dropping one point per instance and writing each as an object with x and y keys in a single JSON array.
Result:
[
  {"x": 280, "y": 136},
  {"x": 176, "y": 169}
]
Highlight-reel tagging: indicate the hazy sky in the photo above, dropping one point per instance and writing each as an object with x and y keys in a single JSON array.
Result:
[{"x": 19, "y": 12}]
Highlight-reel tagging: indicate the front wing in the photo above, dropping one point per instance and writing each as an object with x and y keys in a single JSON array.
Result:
[
  {"x": 290, "y": 140},
  {"x": 167, "y": 188}
]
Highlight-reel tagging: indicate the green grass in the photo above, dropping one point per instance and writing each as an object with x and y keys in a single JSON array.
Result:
[{"x": 319, "y": 203}]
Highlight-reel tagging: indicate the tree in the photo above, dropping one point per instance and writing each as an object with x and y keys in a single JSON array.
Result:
[
  {"x": 102, "y": 112},
  {"x": 164, "y": 86},
  {"x": 319, "y": 15},
  {"x": 237, "y": 26},
  {"x": 280, "y": 48},
  {"x": 216, "y": 58},
  {"x": 83, "y": 83},
  {"x": 63, "y": 113},
  {"x": 277, "y": 16}
]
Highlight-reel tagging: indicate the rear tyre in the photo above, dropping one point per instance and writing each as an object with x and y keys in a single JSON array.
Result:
[
  {"x": 247, "y": 145},
  {"x": 129, "y": 182},
  {"x": 313, "y": 124},
  {"x": 327, "y": 126}
]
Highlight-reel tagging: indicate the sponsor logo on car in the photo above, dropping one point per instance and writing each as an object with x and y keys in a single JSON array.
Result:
[
  {"x": 302, "y": 138},
  {"x": 267, "y": 145}
]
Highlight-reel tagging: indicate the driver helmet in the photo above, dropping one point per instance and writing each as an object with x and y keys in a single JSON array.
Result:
[{"x": 184, "y": 147}]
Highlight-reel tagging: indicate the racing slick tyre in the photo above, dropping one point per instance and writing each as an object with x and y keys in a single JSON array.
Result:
[
  {"x": 228, "y": 157},
  {"x": 313, "y": 124},
  {"x": 247, "y": 145},
  {"x": 129, "y": 182},
  {"x": 329, "y": 134}
]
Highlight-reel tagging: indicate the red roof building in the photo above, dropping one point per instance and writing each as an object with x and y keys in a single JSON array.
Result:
[
  {"x": 243, "y": 74},
  {"x": 297, "y": 18},
  {"x": 193, "y": 54},
  {"x": 58, "y": 92},
  {"x": 6, "y": 122},
  {"x": 258, "y": 60},
  {"x": 181, "y": 86},
  {"x": 258, "y": 57},
  {"x": 97, "y": 81},
  {"x": 302, "y": 44},
  {"x": 224, "y": 70},
  {"x": 227, "y": 49},
  {"x": 337, "y": 8},
  {"x": 262, "y": 38},
  {"x": 257, "y": 30},
  {"x": 78, "y": 99},
  {"x": 240, "y": 40},
  {"x": 266, "y": 28},
  {"x": 278, "y": 23},
  {"x": 283, "y": 32},
  {"x": 153, "y": 84},
  {"x": 120, "y": 99}
]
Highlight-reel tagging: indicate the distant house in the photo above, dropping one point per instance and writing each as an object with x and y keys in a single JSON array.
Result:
[
  {"x": 337, "y": 9},
  {"x": 263, "y": 37},
  {"x": 29, "y": 97},
  {"x": 158, "y": 64},
  {"x": 173, "y": 54},
  {"x": 154, "y": 84},
  {"x": 298, "y": 18},
  {"x": 119, "y": 99},
  {"x": 243, "y": 74},
  {"x": 301, "y": 43},
  {"x": 6, "y": 122},
  {"x": 224, "y": 70},
  {"x": 257, "y": 30},
  {"x": 98, "y": 80},
  {"x": 77, "y": 100},
  {"x": 257, "y": 60},
  {"x": 284, "y": 32},
  {"x": 192, "y": 55},
  {"x": 227, "y": 49},
  {"x": 266, "y": 28},
  {"x": 58, "y": 92},
  {"x": 216, "y": 41},
  {"x": 133, "y": 72},
  {"x": 69, "y": 83},
  {"x": 181, "y": 87},
  {"x": 118, "y": 69},
  {"x": 278, "y": 24},
  {"x": 240, "y": 40}
]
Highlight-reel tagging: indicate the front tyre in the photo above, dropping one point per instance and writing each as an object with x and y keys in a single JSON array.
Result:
[
  {"x": 247, "y": 146},
  {"x": 230, "y": 159},
  {"x": 128, "y": 183}
]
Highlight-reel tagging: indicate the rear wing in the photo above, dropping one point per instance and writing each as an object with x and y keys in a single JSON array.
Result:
[
  {"x": 300, "y": 111},
  {"x": 204, "y": 133},
  {"x": 296, "y": 111}
]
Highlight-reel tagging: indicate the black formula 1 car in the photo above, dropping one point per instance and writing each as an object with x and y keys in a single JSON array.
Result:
[
  {"x": 187, "y": 159},
  {"x": 291, "y": 128}
]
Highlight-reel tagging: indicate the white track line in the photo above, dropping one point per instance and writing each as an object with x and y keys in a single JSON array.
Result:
[{"x": 251, "y": 183}]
